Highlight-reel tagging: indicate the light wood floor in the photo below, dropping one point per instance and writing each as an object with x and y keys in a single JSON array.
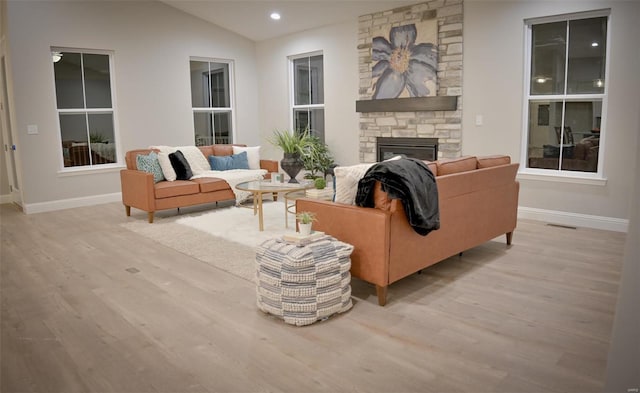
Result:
[{"x": 88, "y": 306}]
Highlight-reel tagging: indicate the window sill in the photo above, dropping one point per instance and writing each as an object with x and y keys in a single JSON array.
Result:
[
  {"x": 79, "y": 171},
  {"x": 564, "y": 177}
]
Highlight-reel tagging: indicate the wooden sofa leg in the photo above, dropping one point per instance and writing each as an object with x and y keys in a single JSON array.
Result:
[
  {"x": 150, "y": 214},
  {"x": 509, "y": 237},
  {"x": 127, "y": 209},
  {"x": 382, "y": 295},
  {"x": 275, "y": 197}
]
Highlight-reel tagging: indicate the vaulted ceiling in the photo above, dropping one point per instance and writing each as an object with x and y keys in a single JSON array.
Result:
[{"x": 250, "y": 18}]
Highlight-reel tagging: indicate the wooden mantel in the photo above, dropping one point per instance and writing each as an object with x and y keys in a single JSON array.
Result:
[{"x": 411, "y": 104}]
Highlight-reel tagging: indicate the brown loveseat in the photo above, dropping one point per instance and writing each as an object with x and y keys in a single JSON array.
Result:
[
  {"x": 139, "y": 190},
  {"x": 478, "y": 201}
]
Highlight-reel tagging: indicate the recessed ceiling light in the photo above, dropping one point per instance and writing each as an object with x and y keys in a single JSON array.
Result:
[
  {"x": 594, "y": 44},
  {"x": 275, "y": 16}
]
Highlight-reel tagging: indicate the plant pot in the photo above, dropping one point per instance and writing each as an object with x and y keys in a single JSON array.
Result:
[
  {"x": 292, "y": 164},
  {"x": 304, "y": 229}
]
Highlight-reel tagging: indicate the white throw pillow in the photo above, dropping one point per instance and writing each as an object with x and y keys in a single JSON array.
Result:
[
  {"x": 346, "y": 179},
  {"x": 197, "y": 161},
  {"x": 253, "y": 155},
  {"x": 167, "y": 169}
]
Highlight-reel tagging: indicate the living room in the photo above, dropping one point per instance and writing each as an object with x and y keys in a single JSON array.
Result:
[{"x": 152, "y": 43}]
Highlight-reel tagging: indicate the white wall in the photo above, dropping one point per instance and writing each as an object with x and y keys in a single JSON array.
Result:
[
  {"x": 152, "y": 43},
  {"x": 623, "y": 366},
  {"x": 338, "y": 44},
  {"x": 493, "y": 87},
  {"x": 4, "y": 179}
]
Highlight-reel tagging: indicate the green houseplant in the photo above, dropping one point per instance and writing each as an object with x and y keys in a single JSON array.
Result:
[
  {"x": 305, "y": 220},
  {"x": 317, "y": 158},
  {"x": 293, "y": 144}
]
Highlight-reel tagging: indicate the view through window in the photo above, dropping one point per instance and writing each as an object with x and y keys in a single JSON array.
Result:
[
  {"x": 308, "y": 94},
  {"x": 85, "y": 107},
  {"x": 211, "y": 99},
  {"x": 567, "y": 88}
]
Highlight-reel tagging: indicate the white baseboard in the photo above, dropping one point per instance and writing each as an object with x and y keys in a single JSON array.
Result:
[
  {"x": 6, "y": 199},
  {"x": 574, "y": 219},
  {"x": 30, "y": 208}
]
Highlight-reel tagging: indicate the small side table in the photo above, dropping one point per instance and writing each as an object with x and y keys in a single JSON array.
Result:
[
  {"x": 303, "y": 284},
  {"x": 291, "y": 197}
]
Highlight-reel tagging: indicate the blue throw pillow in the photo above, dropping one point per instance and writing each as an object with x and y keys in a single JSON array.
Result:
[
  {"x": 225, "y": 163},
  {"x": 150, "y": 164}
]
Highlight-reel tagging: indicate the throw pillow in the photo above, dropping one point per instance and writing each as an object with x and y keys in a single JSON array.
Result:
[
  {"x": 180, "y": 165},
  {"x": 167, "y": 169},
  {"x": 150, "y": 164},
  {"x": 197, "y": 161},
  {"x": 253, "y": 155},
  {"x": 346, "y": 180},
  {"x": 225, "y": 163}
]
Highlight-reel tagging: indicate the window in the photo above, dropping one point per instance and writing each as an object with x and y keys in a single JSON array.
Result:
[
  {"x": 85, "y": 107},
  {"x": 566, "y": 92},
  {"x": 211, "y": 99},
  {"x": 307, "y": 76}
]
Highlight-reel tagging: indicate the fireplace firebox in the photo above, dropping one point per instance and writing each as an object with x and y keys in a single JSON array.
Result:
[{"x": 419, "y": 148}]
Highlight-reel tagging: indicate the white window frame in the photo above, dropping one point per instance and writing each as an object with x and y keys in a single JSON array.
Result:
[
  {"x": 94, "y": 168},
  {"x": 557, "y": 175},
  {"x": 232, "y": 102},
  {"x": 292, "y": 87}
]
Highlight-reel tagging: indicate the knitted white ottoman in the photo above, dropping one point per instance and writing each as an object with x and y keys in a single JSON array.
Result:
[{"x": 303, "y": 284}]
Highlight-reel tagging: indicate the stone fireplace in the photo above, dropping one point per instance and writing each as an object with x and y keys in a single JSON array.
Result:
[{"x": 411, "y": 124}]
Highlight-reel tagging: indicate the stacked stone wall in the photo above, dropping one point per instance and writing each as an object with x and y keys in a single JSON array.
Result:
[{"x": 444, "y": 125}]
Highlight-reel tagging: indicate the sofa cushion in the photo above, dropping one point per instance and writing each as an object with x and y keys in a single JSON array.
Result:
[
  {"x": 222, "y": 150},
  {"x": 456, "y": 165},
  {"x": 225, "y": 163},
  {"x": 253, "y": 155},
  {"x": 433, "y": 167},
  {"x": 165, "y": 189},
  {"x": 149, "y": 163},
  {"x": 180, "y": 165},
  {"x": 211, "y": 184},
  {"x": 495, "y": 160}
]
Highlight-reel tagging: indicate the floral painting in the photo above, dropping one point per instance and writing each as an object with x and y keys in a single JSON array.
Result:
[{"x": 405, "y": 65}]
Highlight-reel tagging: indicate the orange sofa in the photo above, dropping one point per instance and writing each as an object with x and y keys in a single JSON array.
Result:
[
  {"x": 478, "y": 201},
  {"x": 139, "y": 190}
]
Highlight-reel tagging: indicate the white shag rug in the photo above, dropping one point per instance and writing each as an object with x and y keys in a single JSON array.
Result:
[
  {"x": 238, "y": 224},
  {"x": 224, "y": 237}
]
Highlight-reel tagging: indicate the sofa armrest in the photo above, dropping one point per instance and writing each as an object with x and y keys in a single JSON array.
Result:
[
  {"x": 138, "y": 189},
  {"x": 269, "y": 165},
  {"x": 370, "y": 257}
]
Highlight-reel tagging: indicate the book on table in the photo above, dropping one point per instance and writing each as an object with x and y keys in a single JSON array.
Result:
[{"x": 297, "y": 237}]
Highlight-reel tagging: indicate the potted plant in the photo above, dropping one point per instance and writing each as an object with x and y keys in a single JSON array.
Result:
[
  {"x": 305, "y": 219},
  {"x": 293, "y": 145},
  {"x": 317, "y": 158}
]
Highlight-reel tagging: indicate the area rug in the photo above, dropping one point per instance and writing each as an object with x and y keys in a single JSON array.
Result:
[{"x": 225, "y": 237}]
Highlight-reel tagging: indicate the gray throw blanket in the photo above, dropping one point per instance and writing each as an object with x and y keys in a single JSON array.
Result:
[{"x": 412, "y": 182}]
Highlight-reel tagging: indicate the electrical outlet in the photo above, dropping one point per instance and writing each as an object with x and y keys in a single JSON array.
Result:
[
  {"x": 479, "y": 120},
  {"x": 32, "y": 129}
]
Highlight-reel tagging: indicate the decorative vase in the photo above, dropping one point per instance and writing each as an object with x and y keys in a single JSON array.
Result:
[
  {"x": 304, "y": 229},
  {"x": 292, "y": 164}
]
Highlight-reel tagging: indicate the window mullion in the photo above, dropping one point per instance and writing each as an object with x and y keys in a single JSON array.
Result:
[
  {"x": 86, "y": 113},
  {"x": 566, "y": 61}
]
